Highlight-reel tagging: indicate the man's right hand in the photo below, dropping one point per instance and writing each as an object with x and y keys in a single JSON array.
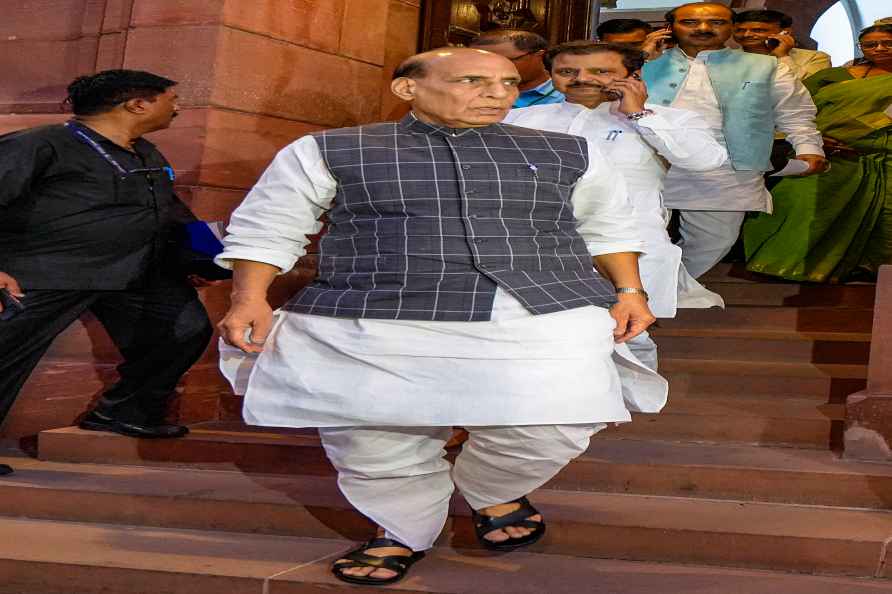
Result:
[
  {"x": 247, "y": 313},
  {"x": 654, "y": 43},
  {"x": 10, "y": 284}
]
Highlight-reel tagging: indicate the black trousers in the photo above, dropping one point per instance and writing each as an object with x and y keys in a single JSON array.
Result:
[{"x": 161, "y": 332}]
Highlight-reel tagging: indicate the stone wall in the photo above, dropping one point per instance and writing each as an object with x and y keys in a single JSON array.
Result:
[{"x": 254, "y": 75}]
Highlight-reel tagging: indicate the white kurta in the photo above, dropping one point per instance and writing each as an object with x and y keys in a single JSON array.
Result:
[
  {"x": 805, "y": 62},
  {"x": 516, "y": 369},
  {"x": 725, "y": 189},
  {"x": 635, "y": 149}
]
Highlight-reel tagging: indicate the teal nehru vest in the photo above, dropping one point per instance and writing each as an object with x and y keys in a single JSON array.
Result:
[{"x": 742, "y": 83}]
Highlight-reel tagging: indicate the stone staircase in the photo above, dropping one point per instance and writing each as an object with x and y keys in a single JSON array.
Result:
[{"x": 737, "y": 487}]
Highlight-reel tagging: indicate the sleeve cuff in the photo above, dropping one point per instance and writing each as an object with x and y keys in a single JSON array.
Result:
[
  {"x": 284, "y": 262},
  {"x": 648, "y": 124},
  {"x": 809, "y": 149},
  {"x": 596, "y": 248}
]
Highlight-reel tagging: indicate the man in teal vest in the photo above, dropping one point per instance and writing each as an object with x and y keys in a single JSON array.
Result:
[{"x": 744, "y": 98}]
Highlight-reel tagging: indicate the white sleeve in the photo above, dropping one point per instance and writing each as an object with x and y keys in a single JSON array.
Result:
[
  {"x": 683, "y": 138},
  {"x": 794, "y": 112},
  {"x": 603, "y": 210},
  {"x": 814, "y": 62},
  {"x": 272, "y": 223}
]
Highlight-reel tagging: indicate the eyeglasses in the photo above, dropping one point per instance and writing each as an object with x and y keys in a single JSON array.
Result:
[{"x": 886, "y": 43}]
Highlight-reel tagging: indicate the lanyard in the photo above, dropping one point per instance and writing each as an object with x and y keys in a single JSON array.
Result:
[{"x": 78, "y": 131}]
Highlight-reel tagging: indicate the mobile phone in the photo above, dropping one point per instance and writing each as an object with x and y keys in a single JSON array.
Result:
[
  {"x": 773, "y": 44},
  {"x": 11, "y": 305}
]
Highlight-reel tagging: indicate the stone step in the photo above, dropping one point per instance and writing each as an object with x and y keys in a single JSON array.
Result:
[
  {"x": 794, "y": 350},
  {"x": 214, "y": 445},
  {"x": 742, "y": 369},
  {"x": 43, "y": 557},
  {"x": 728, "y": 471},
  {"x": 791, "y": 422},
  {"x": 812, "y": 539},
  {"x": 694, "y": 380},
  {"x": 765, "y": 407},
  {"x": 736, "y": 272},
  {"x": 613, "y": 463},
  {"x": 826, "y": 322},
  {"x": 795, "y": 295}
]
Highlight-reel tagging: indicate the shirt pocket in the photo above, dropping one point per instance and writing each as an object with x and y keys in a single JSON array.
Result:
[
  {"x": 540, "y": 191},
  {"x": 627, "y": 149}
]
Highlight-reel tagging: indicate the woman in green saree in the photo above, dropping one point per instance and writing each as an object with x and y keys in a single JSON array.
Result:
[{"x": 837, "y": 226}]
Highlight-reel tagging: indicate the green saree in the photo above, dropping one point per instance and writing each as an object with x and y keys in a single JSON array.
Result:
[{"x": 836, "y": 226}]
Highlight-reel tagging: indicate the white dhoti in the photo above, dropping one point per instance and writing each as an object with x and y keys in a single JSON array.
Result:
[
  {"x": 385, "y": 395},
  {"x": 516, "y": 369},
  {"x": 399, "y": 478}
]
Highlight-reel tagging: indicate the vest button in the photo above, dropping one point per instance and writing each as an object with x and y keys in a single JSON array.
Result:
[
  {"x": 466, "y": 167},
  {"x": 666, "y": 102},
  {"x": 673, "y": 85},
  {"x": 682, "y": 69}
]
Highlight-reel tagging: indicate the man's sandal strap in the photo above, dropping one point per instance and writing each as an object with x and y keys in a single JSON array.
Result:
[
  {"x": 518, "y": 517},
  {"x": 399, "y": 564},
  {"x": 483, "y": 525}
]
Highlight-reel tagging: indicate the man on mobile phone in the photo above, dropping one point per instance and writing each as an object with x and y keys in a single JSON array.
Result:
[
  {"x": 768, "y": 32},
  {"x": 744, "y": 98},
  {"x": 607, "y": 105},
  {"x": 636, "y": 34},
  {"x": 87, "y": 223}
]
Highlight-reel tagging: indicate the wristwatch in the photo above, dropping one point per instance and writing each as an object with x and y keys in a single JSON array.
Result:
[
  {"x": 634, "y": 291},
  {"x": 640, "y": 114}
]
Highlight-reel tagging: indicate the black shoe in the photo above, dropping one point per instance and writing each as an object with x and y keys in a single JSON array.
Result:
[
  {"x": 4, "y": 469},
  {"x": 96, "y": 421}
]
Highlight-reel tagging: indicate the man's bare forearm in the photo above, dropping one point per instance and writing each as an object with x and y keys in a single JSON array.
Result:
[
  {"x": 251, "y": 279},
  {"x": 620, "y": 268}
]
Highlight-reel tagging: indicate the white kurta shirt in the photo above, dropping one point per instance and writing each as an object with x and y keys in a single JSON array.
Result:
[
  {"x": 635, "y": 149},
  {"x": 516, "y": 369},
  {"x": 724, "y": 188},
  {"x": 805, "y": 62}
]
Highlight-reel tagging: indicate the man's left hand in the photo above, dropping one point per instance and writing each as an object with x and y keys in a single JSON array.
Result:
[
  {"x": 785, "y": 41},
  {"x": 634, "y": 94},
  {"x": 816, "y": 164},
  {"x": 632, "y": 316}
]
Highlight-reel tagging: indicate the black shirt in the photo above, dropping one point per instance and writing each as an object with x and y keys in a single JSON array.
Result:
[{"x": 69, "y": 220}]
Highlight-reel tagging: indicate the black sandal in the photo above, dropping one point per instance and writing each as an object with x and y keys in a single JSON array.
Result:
[
  {"x": 357, "y": 558},
  {"x": 484, "y": 524}
]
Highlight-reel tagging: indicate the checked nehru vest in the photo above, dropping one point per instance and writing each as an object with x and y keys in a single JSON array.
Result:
[{"x": 427, "y": 222}]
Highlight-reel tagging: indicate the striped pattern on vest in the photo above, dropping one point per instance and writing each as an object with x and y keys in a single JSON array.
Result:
[{"x": 428, "y": 221}]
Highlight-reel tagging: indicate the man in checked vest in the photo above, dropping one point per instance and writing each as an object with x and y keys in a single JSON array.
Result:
[{"x": 456, "y": 286}]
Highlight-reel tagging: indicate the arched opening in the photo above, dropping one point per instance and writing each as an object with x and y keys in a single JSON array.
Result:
[{"x": 837, "y": 30}]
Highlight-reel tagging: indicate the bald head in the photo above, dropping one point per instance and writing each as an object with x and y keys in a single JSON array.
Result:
[
  {"x": 457, "y": 87},
  {"x": 671, "y": 15},
  {"x": 419, "y": 65}
]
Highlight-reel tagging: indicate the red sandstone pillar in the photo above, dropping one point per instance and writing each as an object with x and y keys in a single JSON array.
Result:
[{"x": 868, "y": 434}]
